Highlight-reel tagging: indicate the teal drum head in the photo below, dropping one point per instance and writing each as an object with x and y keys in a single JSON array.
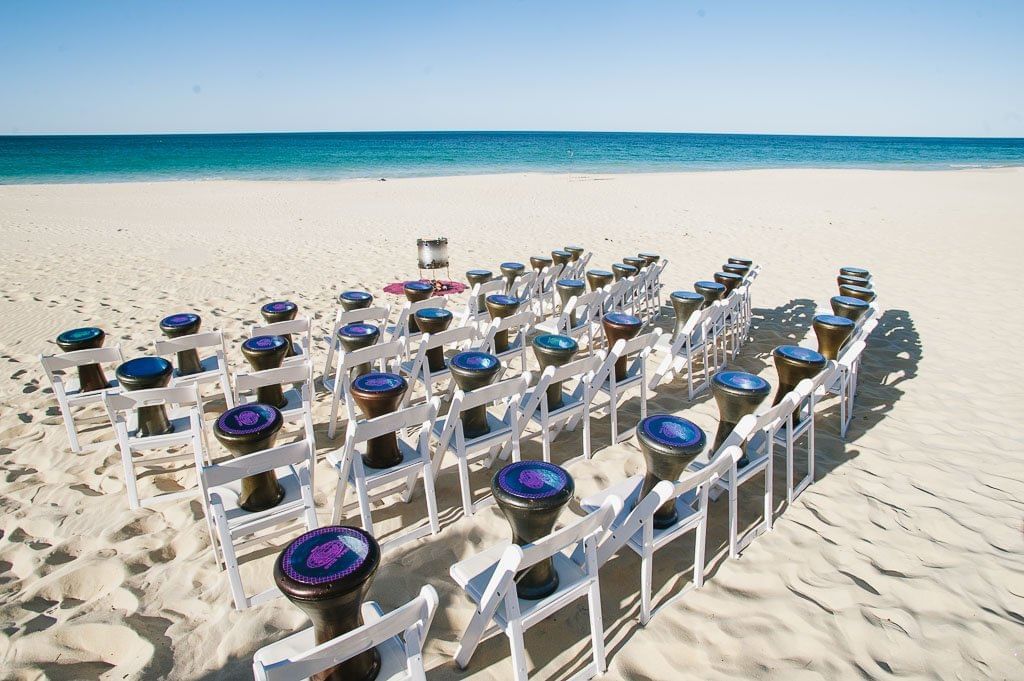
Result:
[
  {"x": 359, "y": 330},
  {"x": 433, "y": 313},
  {"x": 850, "y": 301},
  {"x": 673, "y": 433},
  {"x": 418, "y": 286},
  {"x": 355, "y": 296},
  {"x": 145, "y": 368},
  {"x": 534, "y": 480},
  {"x": 710, "y": 285},
  {"x": 795, "y": 353},
  {"x": 552, "y": 341},
  {"x": 572, "y": 283},
  {"x": 249, "y": 419},
  {"x": 622, "y": 319},
  {"x": 834, "y": 320},
  {"x": 82, "y": 335},
  {"x": 513, "y": 266},
  {"x": 479, "y": 273},
  {"x": 687, "y": 295},
  {"x": 474, "y": 360},
  {"x": 379, "y": 382},
  {"x": 265, "y": 343},
  {"x": 502, "y": 300},
  {"x": 600, "y": 273},
  {"x": 326, "y": 554},
  {"x": 741, "y": 381}
]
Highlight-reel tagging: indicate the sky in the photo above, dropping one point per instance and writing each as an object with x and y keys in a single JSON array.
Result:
[{"x": 933, "y": 68}]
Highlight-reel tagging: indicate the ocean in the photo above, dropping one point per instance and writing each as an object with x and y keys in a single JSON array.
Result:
[{"x": 326, "y": 156}]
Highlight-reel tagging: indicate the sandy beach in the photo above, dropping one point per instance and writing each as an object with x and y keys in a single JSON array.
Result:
[{"x": 904, "y": 560}]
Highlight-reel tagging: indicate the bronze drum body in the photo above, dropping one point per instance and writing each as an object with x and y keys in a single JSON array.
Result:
[
  {"x": 141, "y": 374},
  {"x": 267, "y": 352},
  {"x": 247, "y": 429},
  {"x": 669, "y": 444},
  {"x": 281, "y": 311},
  {"x": 475, "y": 277},
  {"x": 511, "y": 270},
  {"x": 737, "y": 394},
  {"x": 598, "y": 279},
  {"x": 793, "y": 364},
  {"x": 415, "y": 291},
  {"x": 849, "y": 307},
  {"x": 554, "y": 350},
  {"x": 620, "y": 325},
  {"x": 472, "y": 370},
  {"x": 378, "y": 394},
  {"x": 684, "y": 304},
  {"x": 503, "y": 307},
  {"x": 90, "y": 376},
  {"x": 355, "y": 300},
  {"x": 434, "y": 320},
  {"x": 176, "y": 326},
  {"x": 832, "y": 331},
  {"x": 711, "y": 290}
]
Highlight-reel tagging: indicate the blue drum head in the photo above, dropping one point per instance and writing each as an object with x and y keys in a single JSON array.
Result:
[
  {"x": 513, "y": 266},
  {"x": 175, "y": 321},
  {"x": 434, "y": 313},
  {"x": 571, "y": 283},
  {"x": 850, "y": 301},
  {"x": 418, "y": 286},
  {"x": 687, "y": 295},
  {"x": 480, "y": 273},
  {"x": 143, "y": 368},
  {"x": 359, "y": 330},
  {"x": 742, "y": 381},
  {"x": 833, "y": 320},
  {"x": 249, "y": 419},
  {"x": 799, "y": 354},
  {"x": 355, "y": 296},
  {"x": 502, "y": 299},
  {"x": 81, "y": 335},
  {"x": 673, "y": 432},
  {"x": 474, "y": 360},
  {"x": 622, "y": 319},
  {"x": 325, "y": 555},
  {"x": 552, "y": 341},
  {"x": 710, "y": 285},
  {"x": 265, "y": 343},
  {"x": 533, "y": 479},
  {"x": 279, "y": 306},
  {"x": 378, "y": 382},
  {"x": 600, "y": 273}
]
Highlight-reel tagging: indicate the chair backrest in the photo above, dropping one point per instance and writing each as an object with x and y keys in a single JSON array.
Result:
[
  {"x": 195, "y": 341},
  {"x": 851, "y": 353},
  {"x": 592, "y": 526},
  {"x": 232, "y": 469},
  {"x": 551, "y": 274},
  {"x": 300, "y": 372},
  {"x": 768, "y": 421},
  {"x": 361, "y": 430},
  {"x": 410, "y": 308},
  {"x": 72, "y": 360},
  {"x": 182, "y": 396},
  {"x": 377, "y": 313},
  {"x": 299, "y": 325},
  {"x": 411, "y": 620},
  {"x": 453, "y": 336},
  {"x": 485, "y": 289},
  {"x": 386, "y": 355},
  {"x": 523, "y": 286},
  {"x": 580, "y": 369},
  {"x": 641, "y": 345},
  {"x": 521, "y": 320}
]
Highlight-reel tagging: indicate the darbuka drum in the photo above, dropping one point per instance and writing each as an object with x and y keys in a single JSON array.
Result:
[
  {"x": 729, "y": 280},
  {"x": 281, "y": 311},
  {"x": 560, "y": 257},
  {"x": 530, "y": 495},
  {"x": 434, "y": 320},
  {"x": 865, "y": 294},
  {"x": 621, "y": 269},
  {"x": 794, "y": 364},
  {"x": 499, "y": 306},
  {"x": 539, "y": 262},
  {"x": 554, "y": 350},
  {"x": 832, "y": 331},
  {"x": 143, "y": 373},
  {"x": 378, "y": 394},
  {"x": 741, "y": 261},
  {"x": 669, "y": 443},
  {"x": 849, "y": 307},
  {"x": 598, "y": 279},
  {"x": 711, "y": 290},
  {"x": 855, "y": 272},
  {"x": 620, "y": 325},
  {"x": 472, "y": 370},
  {"x": 90, "y": 376},
  {"x": 732, "y": 268},
  {"x": 475, "y": 277},
  {"x": 511, "y": 270},
  {"x": 176, "y": 326},
  {"x": 684, "y": 304},
  {"x": 634, "y": 262},
  {"x": 355, "y": 300},
  {"x": 567, "y": 288},
  {"x": 650, "y": 258},
  {"x": 245, "y": 430},
  {"x": 737, "y": 394},
  {"x": 575, "y": 252},
  {"x": 416, "y": 291},
  {"x": 852, "y": 281},
  {"x": 266, "y": 352},
  {"x": 356, "y": 336},
  {"x": 327, "y": 573}
]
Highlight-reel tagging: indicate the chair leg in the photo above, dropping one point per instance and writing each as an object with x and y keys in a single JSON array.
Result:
[
  {"x": 234, "y": 576},
  {"x": 596, "y": 625},
  {"x": 646, "y": 586},
  {"x": 518, "y": 647},
  {"x": 129, "y": 479},
  {"x": 586, "y": 436},
  {"x": 364, "y": 505},
  {"x": 339, "y": 499},
  {"x": 428, "y": 491},
  {"x": 69, "y": 424},
  {"x": 733, "y": 520},
  {"x": 768, "y": 491},
  {"x": 332, "y": 424},
  {"x": 700, "y": 546},
  {"x": 467, "y": 495}
]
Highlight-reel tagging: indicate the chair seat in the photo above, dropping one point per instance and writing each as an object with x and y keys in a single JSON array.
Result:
[
  {"x": 181, "y": 434},
  {"x": 210, "y": 372},
  {"x": 631, "y": 379},
  {"x": 629, "y": 491},
  {"x": 474, "y": 574},
  {"x": 410, "y": 459},
  {"x": 392, "y": 654},
  {"x": 570, "y": 405},
  {"x": 293, "y": 402},
  {"x": 239, "y": 518},
  {"x": 499, "y": 430},
  {"x": 73, "y": 392}
]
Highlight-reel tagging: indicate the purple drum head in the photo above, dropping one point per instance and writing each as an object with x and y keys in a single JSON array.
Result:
[
  {"x": 433, "y": 313},
  {"x": 355, "y": 296},
  {"x": 673, "y": 432},
  {"x": 572, "y": 283},
  {"x": 798, "y": 354},
  {"x": 379, "y": 382},
  {"x": 143, "y": 368},
  {"x": 175, "y": 321},
  {"x": 418, "y": 286},
  {"x": 325, "y": 554},
  {"x": 502, "y": 299},
  {"x": 513, "y": 266},
  {"x": 249, "y": 419},
  {"x": 850, "y": 301},
  {"x": 474, "y": 360},
  {"x": 265, "y": 343},
  {"x": 833, "y": 320},
  {"x": 533, "y": 479},
  {"x": 623, "y": 319},
  {"x": 358, "y": 330},
  {"x": 81, "y": 335},
  {"x": 686, "y": 295},
  {"x": 552, "y": 341},
  {"x": 279, "y": 306},
  {"x": 742, "y": 381},
  {"x": 710, "y": 285}
]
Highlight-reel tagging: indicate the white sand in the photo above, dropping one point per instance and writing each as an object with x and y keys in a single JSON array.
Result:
[{"x": 903, "y": 560}]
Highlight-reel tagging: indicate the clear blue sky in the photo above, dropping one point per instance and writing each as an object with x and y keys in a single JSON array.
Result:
[{"x": 855, "y": 67}]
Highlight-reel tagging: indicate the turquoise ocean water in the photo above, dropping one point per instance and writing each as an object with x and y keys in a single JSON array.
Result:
[{"x": 324, "y": 156}]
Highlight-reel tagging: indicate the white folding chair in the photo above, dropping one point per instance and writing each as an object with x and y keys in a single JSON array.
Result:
[
  {"x": 755, "y": 435},
  {"x": 693, "y": 344},
  {"x": 633, "y": 526},
  {"x": 416, "y": 462},
  {"x": 215, "y": 366},
  {"x": 522, "y": 323},
  {"x": 380, "y": 357},
  {"x": 58, "y": 369},
  {"x": 233, "y": 528},
  {"x": 502, "y": 439},
  {"x": 488, "y": 579},
  {"x": 605, "y": 381},
  {"x": 378, "y": 316},
  {"x": 844, "y": 383},
  {"x": 481, "y": 317},
  {"x": 577, "y": 268},
  {"x": 298, "y": 328},
  {"x": 801, "y": 425},
  {"x": 653, "y": 288},
  {"x": 577, "y": 385},
  {"x": 401, "y": 332},
  {"x": 398, "y": 636},
  {"x": 418, "y": 369},
  {"x": 296, "y": 383},
  {"x": 186, "y": 417},
  {"x": 544, "y": 298},
  {"x": 586, "y": 308},
  {"x": 524, "y": 287}
]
